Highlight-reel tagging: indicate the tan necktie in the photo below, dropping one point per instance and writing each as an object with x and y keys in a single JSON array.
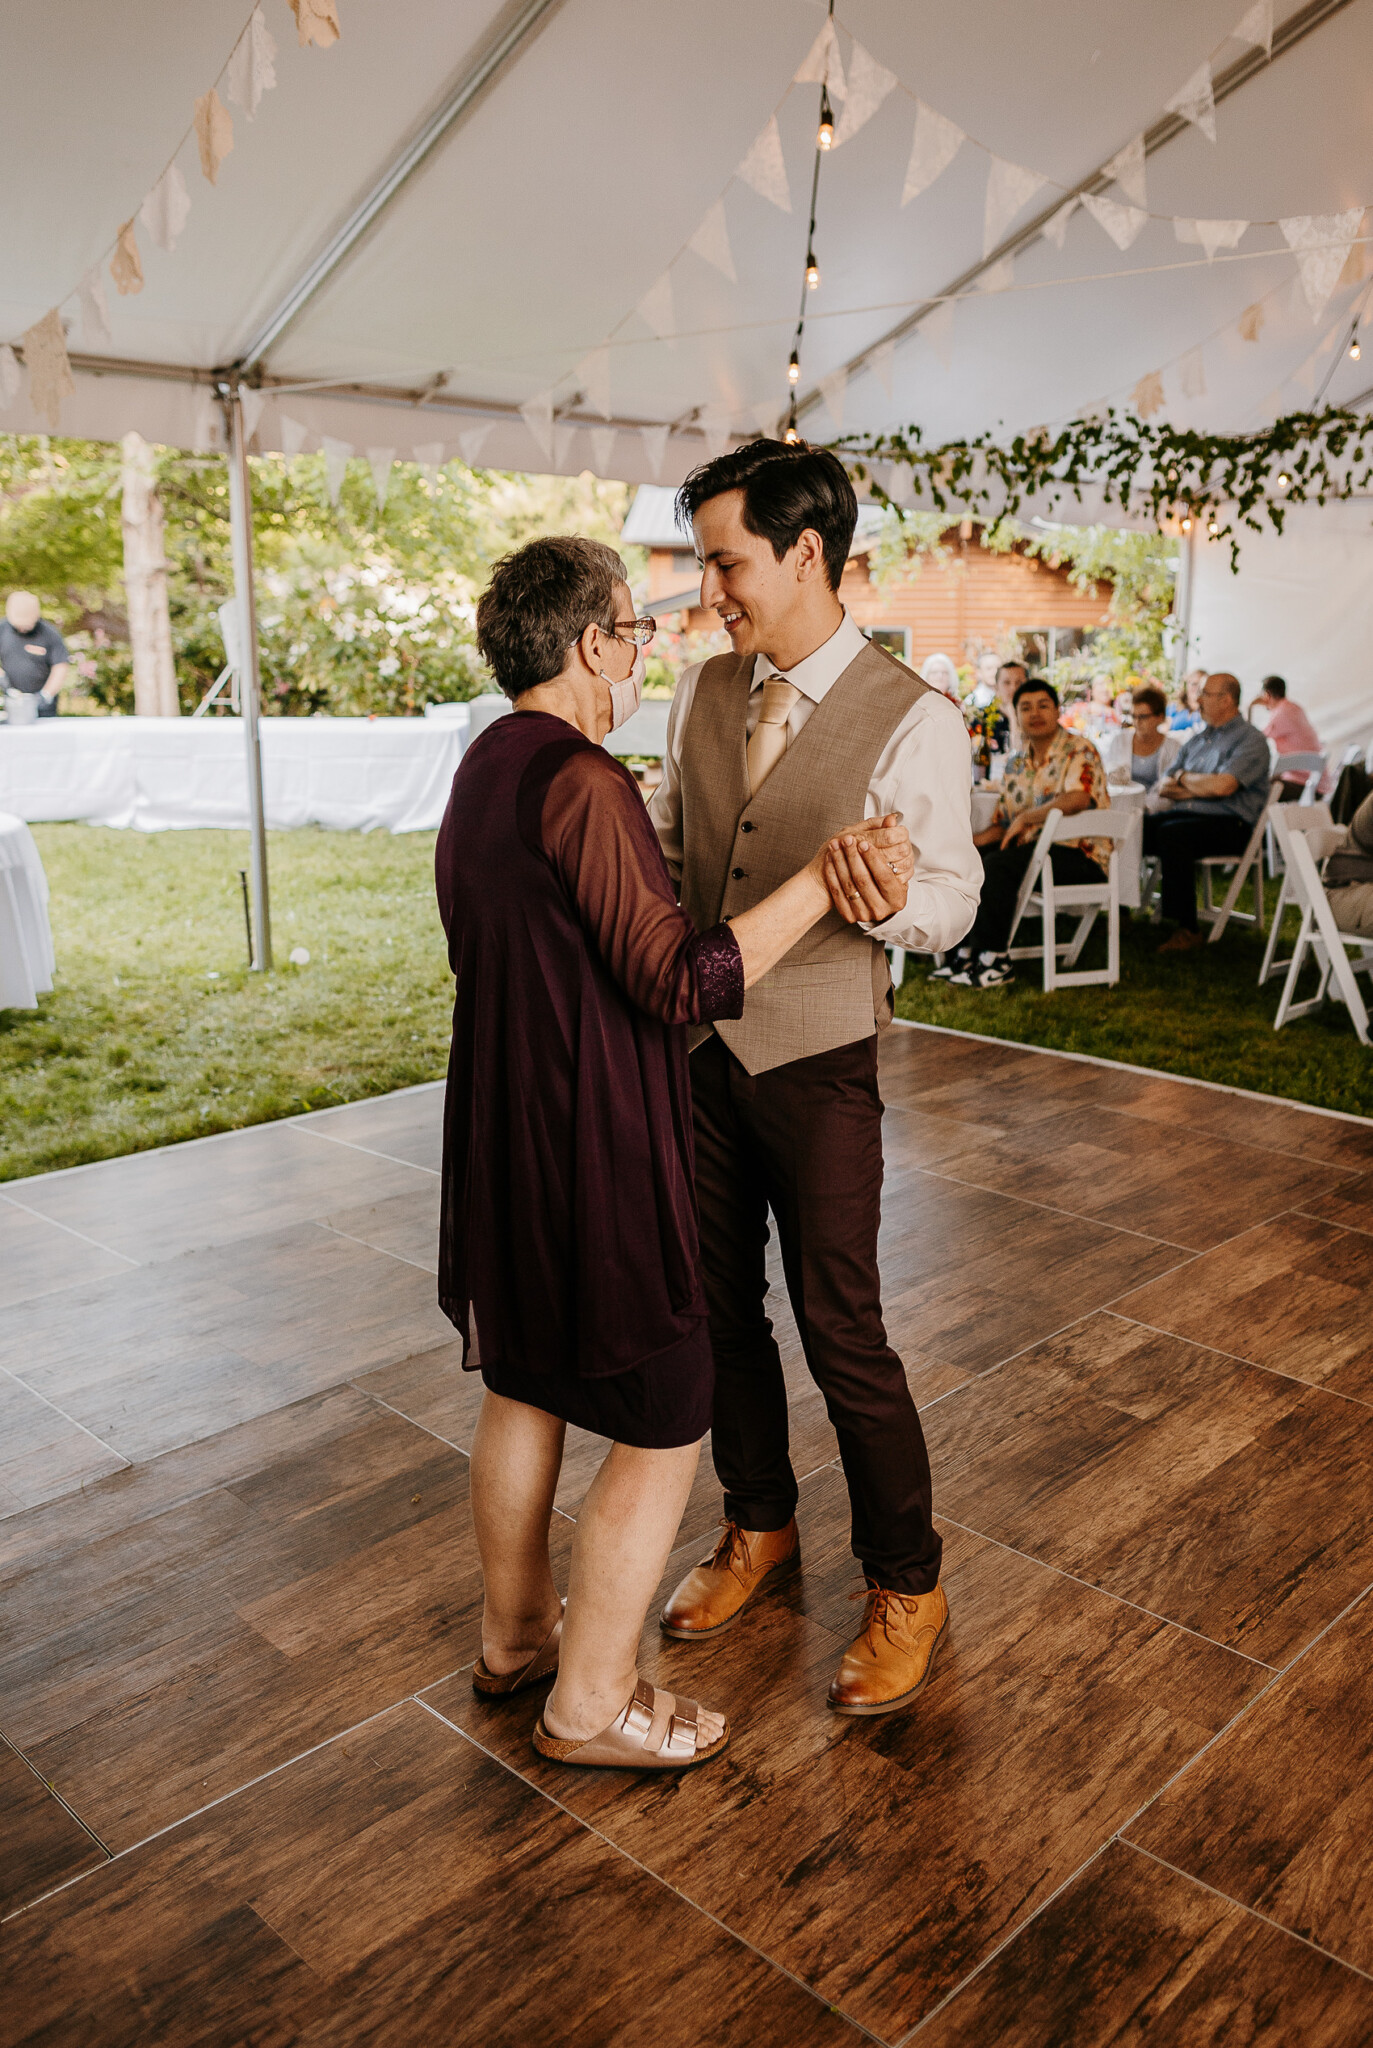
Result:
[{"x": 769, "y": 741}]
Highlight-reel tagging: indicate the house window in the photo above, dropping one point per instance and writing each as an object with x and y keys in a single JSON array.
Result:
[
  {"x": 896, "y": 640},
  {"x": 684, "y": 562}
]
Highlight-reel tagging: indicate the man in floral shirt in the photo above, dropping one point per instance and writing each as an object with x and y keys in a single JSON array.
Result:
[{"x": 1058, "y": 770}]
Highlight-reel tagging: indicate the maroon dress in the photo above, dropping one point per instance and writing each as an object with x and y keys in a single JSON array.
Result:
[{"x": 568, "y": 1228}]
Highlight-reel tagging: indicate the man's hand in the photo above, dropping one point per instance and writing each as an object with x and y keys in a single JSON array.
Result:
[{"x": 862, "y": 877}]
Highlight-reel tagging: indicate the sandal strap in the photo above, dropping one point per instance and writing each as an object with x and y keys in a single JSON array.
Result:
[
  {"x": 680, "y": 1740},
  {"x": 637, "y": 1718}
]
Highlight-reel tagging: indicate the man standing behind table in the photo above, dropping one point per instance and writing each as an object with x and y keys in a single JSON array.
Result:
[
  {"x": 1211, "y": 802},
  {"x": 33, "y": 654},
  {"x": 802, "y": 719}
]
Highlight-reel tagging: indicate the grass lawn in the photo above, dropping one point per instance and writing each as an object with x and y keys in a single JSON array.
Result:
[
  {"x": 1199, "y": 1013},
  {"x": 156, "y": 1031}
]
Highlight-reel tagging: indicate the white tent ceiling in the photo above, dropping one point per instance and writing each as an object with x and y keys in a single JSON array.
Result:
[{"x": 579, "y": 145}]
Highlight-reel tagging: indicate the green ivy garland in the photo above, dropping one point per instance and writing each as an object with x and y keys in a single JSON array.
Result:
[{"x": 1231, "y": 481}]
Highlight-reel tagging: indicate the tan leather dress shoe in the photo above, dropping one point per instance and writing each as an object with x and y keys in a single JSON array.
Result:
[
  {"x": 715, "y": 1593},
  {"x": 889, "y": 1662}
]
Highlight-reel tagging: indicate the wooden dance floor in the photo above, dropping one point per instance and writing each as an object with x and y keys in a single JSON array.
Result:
[{"x": 246, "y": 1794}]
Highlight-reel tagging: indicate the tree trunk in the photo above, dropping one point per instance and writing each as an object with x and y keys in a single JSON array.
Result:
[{"x": 145, "y": 583}]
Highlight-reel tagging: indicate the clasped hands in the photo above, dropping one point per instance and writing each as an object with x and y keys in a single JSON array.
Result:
[{"x": 866, "y": 869}]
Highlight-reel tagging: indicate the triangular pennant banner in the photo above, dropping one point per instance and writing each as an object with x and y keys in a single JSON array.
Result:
[
  {"x": 880, "y": 363},
  {"x": 1321, "y": 242},
  {"x": 1147, "y": 396},
  {"x": 937, "y": 328},
  {"x": 1122, "y": 223},
  {"x": 934, "y": 146},
  {"x": 336, "y": 454},
  {"x": 95, "y": 310},
  {"x": 252, "y": 67},
  {"x": 564, "y": 434},
  {"x": 655, "y": 447},
  {"x": 316, "y": 22},
  {"x": 1255, "y": 26},
  {"x": 537, "y": 414},
  {"x": 1251, "y": 322},
  {"x": 823, "y": 64},
  {"x": 163, "y": 213},
  {"x": 714, "y": 424},
  {"x": 655, "y": 307},
  {"x": 764, "y": 416},
  {"x": 10, "y": 376},
  {"x": 429, "y": 455},
  {"x": 126, "y": 265},
  {"x": 1009, "y": 186},
  {"x": 381, "y": 462},
  {"x": 293, "y": 435},
  {"x": 1056, "y": 228},
  {"x": 252, "y": 404},
  {"x": 471, "y": 443},
  {"x": 765, "y": 169},
  {"x": 869, "y": 83},
  {"x": 207, "y": 421},
  {"x": 1192, "y": 374},
  {"x": 999, "y": 277},
  {"x": 50, "y": 373},
  {"x": 1127, "y": 169},
  {"x": 214, "y": 132},
  {"x": 711, "y": 242},
  {"x": 832, "y": 390},
  {"x": 1219, "y": 234},
  {"x": 1196, "y": 102},
  {"x": 593, "y": 375},
  {"x": 602, "y": 449}
]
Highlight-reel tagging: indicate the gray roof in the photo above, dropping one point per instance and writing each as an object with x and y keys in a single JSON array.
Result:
[{"x": 651, "y": 522}]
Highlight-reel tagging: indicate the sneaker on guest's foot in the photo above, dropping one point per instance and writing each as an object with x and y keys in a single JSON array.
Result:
[
  {"x": 989, "y": 970},
  {"x": 953, "y": 963}
]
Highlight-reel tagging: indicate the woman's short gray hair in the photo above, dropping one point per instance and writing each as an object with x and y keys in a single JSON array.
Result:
[{"x": 540, "y": 601}]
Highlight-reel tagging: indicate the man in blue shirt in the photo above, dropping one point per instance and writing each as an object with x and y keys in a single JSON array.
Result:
[
  {"x": 33, "y": 655},
  {"x": 1215, "y": 795}
]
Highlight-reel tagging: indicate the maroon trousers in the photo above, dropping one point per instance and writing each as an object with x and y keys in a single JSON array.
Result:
[{"x": 805, "y": 1140}]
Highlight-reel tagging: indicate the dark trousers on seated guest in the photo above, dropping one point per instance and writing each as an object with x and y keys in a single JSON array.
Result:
[
  {"x": 1180, "y": 839},
  {"x": 1003, "y": 870}
]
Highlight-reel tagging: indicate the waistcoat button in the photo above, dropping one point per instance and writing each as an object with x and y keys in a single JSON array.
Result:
[
  {"x": 747, "y": 825},
  {"x": 737, "y": 873}
]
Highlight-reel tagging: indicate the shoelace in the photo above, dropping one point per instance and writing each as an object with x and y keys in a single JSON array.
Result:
[
  {"x": 730, "y": 1546},
  {"x": 878, "y": 1612}
]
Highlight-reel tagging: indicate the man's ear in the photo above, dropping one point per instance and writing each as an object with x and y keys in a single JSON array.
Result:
[{"x": 810, "y": 555}]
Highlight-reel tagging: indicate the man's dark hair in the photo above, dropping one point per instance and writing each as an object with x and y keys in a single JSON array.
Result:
[
  {"x": 1011, "y": 664},
  {"x": 539, "y": 602},
  {"x": 1151, "y": 698},
  {"x": 1031, "y": 684},
  {"x": 1273, "y": 686},
  {"x": 786, "y": 489}
]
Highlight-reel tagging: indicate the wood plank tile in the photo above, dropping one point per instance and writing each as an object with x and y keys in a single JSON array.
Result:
[
  {"x": 1349, "y": 1203},
  {"x": 397, "y": 1872},
  {"x": 180, "y": 1198},
  {"x": 1190, "y": 1190},
  {"x": 1280, "y": 1813},
  {"x": 38, "y": 1257},
  {"x": 407, "y": 1125},
  {"x": 194, "y": 1345},
  {"x": 1227, "y": 1498},
  {"x": 40, "y": 1844},
  {"x": 1296, "y": 1295},
  {"x": 880, "y": 1860},
  {"x": 406, "y": 1225},
  {"x": 1132, "y": 1953},
  {"x": 165, "y": 1663},
  {"x": 42, "y": 1454}
]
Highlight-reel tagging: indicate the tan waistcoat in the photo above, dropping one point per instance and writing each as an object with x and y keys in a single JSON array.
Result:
[{"x": 833, "y": 986}]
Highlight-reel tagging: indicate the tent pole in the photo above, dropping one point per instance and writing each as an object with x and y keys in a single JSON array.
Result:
[
  {"x": 1182, "y": 606},
  {"x": 241, "y": 536}
]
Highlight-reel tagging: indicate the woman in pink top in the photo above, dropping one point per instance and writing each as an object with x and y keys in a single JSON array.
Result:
[{"x": 1290, "y": 730}]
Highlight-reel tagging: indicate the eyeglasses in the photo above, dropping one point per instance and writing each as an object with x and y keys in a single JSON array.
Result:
[{"x": 640, "y": 631}]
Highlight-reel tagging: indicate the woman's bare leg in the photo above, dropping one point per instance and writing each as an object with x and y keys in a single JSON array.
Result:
[
  {"x": 517, "y": 1454},
  {"x": 625, "y": 1529}
]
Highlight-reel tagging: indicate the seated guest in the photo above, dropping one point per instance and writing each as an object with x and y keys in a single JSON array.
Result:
[
  {"x": 1186, "y": 716},
  {"x": 33, "y": 655},
  {"x": 1290, "y": 731},
  {"x": 1212, "y": 799},
  {"x": 1057, "y": 771},
  {"x": 1100, "y": 712},
  {"x": 1145, "y": 752},
  {"x": 939, "y": 672},
  {"x": 1349, "y": 876}
]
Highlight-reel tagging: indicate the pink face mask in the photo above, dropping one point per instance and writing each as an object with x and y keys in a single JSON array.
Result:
[{"x": 626, "y": 697}]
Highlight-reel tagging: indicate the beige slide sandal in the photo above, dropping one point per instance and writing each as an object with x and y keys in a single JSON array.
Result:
[
  {"x": 543, "y": 1664},
  {"x": 656, "y": 1732}
]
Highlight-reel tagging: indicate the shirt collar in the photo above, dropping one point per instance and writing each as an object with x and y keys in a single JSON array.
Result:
[{"x": 816, "y": 676}]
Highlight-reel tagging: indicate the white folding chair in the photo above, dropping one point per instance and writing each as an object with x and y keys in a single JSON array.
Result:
[
  {"x": 1320, "y": 938},
  {"x": 1313, "y": 765},
  {"x": 1042, "y": 895},
  {"x": 1299, "y": 818},
  {"x": 896, "y": 956},
  {"x": 1247, "y": 867}
]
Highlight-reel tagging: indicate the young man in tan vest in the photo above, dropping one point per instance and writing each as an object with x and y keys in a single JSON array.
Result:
[{"x": 804, "y": 726}]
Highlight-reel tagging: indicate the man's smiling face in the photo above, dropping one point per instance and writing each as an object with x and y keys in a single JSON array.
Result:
[{"x": 743, "y": 580}]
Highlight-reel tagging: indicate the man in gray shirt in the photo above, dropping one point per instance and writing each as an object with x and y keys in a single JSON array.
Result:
[
  {"x": 1212, "y": 800},
  {"x": 33, "y": 654}
]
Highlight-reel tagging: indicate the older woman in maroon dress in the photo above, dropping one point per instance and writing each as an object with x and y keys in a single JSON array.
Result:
[{"x": 568, "y": 1229}]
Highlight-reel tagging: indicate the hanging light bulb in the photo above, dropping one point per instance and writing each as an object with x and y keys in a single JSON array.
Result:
[
  {"x": 1213, "y": 527},
  {"x": 794, "y": 369},
  {"x": 1354, "y": 350},
  {"x": 825, "y": 138},
  {"x": 1284, "y": 480},
  {"x": 812, "y": 271},
  {"x": 793, "y": 432},
  {"x": 1186, "y": 525}
]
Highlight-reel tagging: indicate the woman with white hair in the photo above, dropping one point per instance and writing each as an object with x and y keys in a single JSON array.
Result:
[{"x": 939, "y": 672}]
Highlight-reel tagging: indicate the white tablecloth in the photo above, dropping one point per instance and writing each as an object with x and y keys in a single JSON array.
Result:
[
  {"x": 1131, "y": 852},
  {"x": 167, "y": 774},
  {"x": 26, "y": 957}
]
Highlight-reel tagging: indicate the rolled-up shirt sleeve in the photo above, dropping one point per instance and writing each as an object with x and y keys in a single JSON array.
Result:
[
  {"x": 597, "y": 833},
  {"x": 925, "y": 772}
]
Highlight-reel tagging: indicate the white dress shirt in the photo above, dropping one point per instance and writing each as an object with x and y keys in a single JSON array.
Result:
[{"x": 923, "y": 771}]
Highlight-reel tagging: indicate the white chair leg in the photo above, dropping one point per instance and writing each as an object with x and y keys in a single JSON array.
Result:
[
  {"x": 1270, "y": 963},
  {"x": 1081, "y": 936}
]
